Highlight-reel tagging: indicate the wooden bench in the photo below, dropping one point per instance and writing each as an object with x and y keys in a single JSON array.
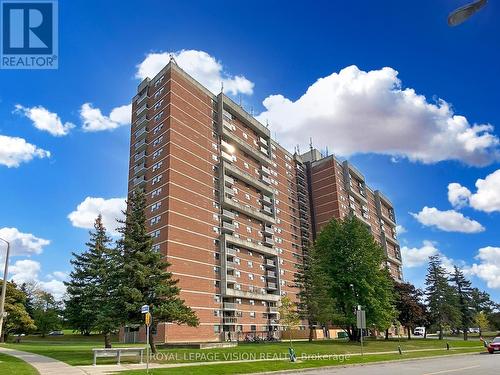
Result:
[{"x": 118, "y": 353}]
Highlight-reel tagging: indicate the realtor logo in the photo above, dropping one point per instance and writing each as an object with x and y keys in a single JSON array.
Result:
[{"x": 29, "y": 35}]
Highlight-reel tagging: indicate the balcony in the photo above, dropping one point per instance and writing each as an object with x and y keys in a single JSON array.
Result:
[
  {"x": 246, "y": 177},
  {"x": 140, "y": 133},
  {"x": 271, "y": 286},
  {"x": 226, "y": 214},
  {"x": 230, "y": 320},
  {"x": 229, "y": 191},
  {"x": 139, "y": 181},
  {"x": 230, "y": 251},
  {"x": 141, "y": 109},
  {"x": 229, "y": 181},
  {"x": 231, "y": 278},
  {"x": 249, "y": 211},
  {"x": 228, "y": 228},
  {"x": 267, "y": 200},
  {"x": 141, "y": 145},
  {"x": 251, "y": 295},
  {"x": 230, "y": 264},
  {"x": 139, "y": 169},
  {"x": 246, "y": 147},
  {"x": 272, "y": 310},
  {"x": 265, "y": 170},
  {"x": 263, "y": 141},
  {"x": 268, "y": 210},
  {"x": 268, "y": 230},
  {"x": 266, "y": 180},
  {"x": 228, "y": 125},
  {"x": 270, "y": 263},
  {"x": 268, "y": 241},
  {"x": 230, "y": 306},
  {"x": 264, "y": 150},
  {"x": 250, "y": 245},
  {"x": 141, "y": 121},
  {"x": 139, "y": 156},
  {"x": 271, "y": 274},
  {"x": 227, "y": 156},
  {"x": 141, "y": 99}
]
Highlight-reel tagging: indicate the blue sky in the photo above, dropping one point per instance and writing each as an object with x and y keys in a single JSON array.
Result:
[{"x": 411, "y": 147}]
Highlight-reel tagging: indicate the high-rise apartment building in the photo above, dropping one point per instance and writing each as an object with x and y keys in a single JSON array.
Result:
[
  {"x": 228, "y": 206},
  {"x": 338, "y": 189}
]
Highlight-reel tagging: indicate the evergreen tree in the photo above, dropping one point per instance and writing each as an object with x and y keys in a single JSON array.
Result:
[
  {"x": 440, "y": 296},
  {"x": 144, "y": 276},
  {"x": 350, "y": 262},
  {"x": 93, "y": 287},
  {"x": 463, "y": 292},
  {"x": 409, "y": 304},
  {"x": 481, "y": 301}
]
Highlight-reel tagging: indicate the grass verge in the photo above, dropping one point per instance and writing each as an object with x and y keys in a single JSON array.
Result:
[{"x": 14, "y": 366}]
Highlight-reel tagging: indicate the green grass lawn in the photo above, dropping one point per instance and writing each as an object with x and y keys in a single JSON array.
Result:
[
  {"x": 13, "y": 366},
  {"x": 254, "y": 367},
  {"x": 75, "y": 349}
]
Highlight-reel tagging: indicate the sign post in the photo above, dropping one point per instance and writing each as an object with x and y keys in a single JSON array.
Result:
[
  {"x": 361, "y": 323},
  {"x": 147, "y": 320}
]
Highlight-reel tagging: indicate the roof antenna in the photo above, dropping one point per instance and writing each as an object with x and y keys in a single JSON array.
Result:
[
  {"x": 222, "y": 86},
  {"x": 251, "y": 110},
  {"x": 298, "y": 149},
  {"x": 326, "y": 150},
  {"x": 172, "y": 59},
  {"x": 239, "y": 97},
  {"x": 311, "y": 143},
  {"x": 267, "y": 123}
]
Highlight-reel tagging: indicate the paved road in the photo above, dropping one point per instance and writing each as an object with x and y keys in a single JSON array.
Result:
[{"x": 475, "y": 364}]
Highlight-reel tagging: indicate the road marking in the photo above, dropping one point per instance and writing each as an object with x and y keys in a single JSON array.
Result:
[{"x": 453, "y": 370}]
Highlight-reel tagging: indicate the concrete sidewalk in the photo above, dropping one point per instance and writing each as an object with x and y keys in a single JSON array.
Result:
[{"x": 44, "y": 365}]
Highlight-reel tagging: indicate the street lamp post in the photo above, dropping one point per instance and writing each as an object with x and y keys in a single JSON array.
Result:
[{"x": 4, "y": 288}]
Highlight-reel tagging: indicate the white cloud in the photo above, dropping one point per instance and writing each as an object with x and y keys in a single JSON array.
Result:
[
  {"x": 418, "y": 256},
  {"x": 23, "y": 243},
  {"x": 458, "y": 195},
  {"x": 15, "y": 150},
  {"x": 488, "y": 268},
  {"x": 26, "y": 270},
  {"x": 448, "y": 221},
  {"x": 95, "y": 121},
  {"x": 400, "y": 229},
  {"x": 354, "y": 111},
  {"x": 23, "y": 271},
  {"x": 111, "y": 209},
  {"x": 199, "y": 64},
  {"x": 487, "y": 196},
  {"x": 45, "y": 120}
]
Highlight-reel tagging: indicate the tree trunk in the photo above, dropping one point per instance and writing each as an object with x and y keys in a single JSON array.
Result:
[
  {"x": 466, "y": 336},
  {"x": 387, "y": 334},
  {"x": 408, "y": 329},
  {"x": 311, "y": 332},
  {"x": 440, "y": 332},
  {"x": 107, "y": 340},
  {"x": 152, "y": 344}
]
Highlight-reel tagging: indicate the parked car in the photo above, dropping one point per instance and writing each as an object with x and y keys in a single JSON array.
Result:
[
  {"x": 474, "y": 330},
  {"x": 56, "y": 333},
  {"x": 494, "y": 346},
  {"x": 419, "y": 331}
]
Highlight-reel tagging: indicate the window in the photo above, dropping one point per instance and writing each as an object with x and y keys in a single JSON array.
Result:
[
  {"x": 157, "y": 129},
  {"x": 157, "y": 166},
  {"x": 155, "y": 220},
  {"x": 156, "y": 234},
  {"x": 157, "y": 141},
  {"x": 156, "y": 179},
  {"x": 250, "y": 265},
  {"x": 155, "y": 206},
  {"x": 158, "y": 104},
  {"x": 156, "y": 247},
  {"x": 216, "y": 329},
  {"x": 157, "y": 153},
  {"x": 158, "y": 116},
  {"x": 156, "y": 193}
]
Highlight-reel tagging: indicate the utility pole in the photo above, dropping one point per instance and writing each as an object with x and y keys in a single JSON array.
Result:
[{"x": 4, "y": 288}]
